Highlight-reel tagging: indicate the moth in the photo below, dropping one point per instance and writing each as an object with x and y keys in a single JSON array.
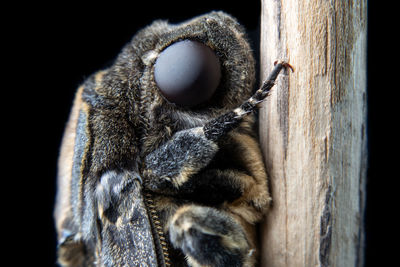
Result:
[{"x": 159, "y": 163}]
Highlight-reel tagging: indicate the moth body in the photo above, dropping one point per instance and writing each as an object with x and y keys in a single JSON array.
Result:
[{"x": 146, "y": 182}]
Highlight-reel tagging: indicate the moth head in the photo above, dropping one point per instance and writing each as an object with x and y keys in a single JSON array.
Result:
[{"x": 204, "y": 65}]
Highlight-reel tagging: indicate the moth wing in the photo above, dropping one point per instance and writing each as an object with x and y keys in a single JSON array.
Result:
[
  {"x": 71, "y": 251},
  {"x": 127, "y": 238},
  {"x": 127, "y": 241}
]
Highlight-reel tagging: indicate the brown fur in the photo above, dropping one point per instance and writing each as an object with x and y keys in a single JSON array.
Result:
[{"x": 121, "y": 125}]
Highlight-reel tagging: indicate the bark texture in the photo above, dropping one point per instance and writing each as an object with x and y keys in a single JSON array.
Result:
[{"x": 313, "y": 132}]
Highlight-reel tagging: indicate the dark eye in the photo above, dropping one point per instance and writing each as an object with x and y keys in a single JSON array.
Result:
[{"x": 187, "y": 73}]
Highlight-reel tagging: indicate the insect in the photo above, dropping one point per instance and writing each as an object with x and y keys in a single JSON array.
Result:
[{"x": 159, "y": 164}]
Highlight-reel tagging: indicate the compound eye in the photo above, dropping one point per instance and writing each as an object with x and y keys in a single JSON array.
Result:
[{"x": 187, "y": 73}]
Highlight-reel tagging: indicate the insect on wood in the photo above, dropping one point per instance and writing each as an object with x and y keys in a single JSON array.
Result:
[{"x": 159, "y": 164}]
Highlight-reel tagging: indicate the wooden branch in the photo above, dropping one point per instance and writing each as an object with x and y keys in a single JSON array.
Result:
[{"x": 313, "y": 132}]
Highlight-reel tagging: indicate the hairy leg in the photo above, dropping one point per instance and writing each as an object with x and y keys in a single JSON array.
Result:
[{"x": 210, "y": 237}]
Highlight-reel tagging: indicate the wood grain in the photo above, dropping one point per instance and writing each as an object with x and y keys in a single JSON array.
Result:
[{"x": 313, "y": 132}]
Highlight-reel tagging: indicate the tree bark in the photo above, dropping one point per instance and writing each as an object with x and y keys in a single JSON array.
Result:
[{"x": 313, "y": 132}]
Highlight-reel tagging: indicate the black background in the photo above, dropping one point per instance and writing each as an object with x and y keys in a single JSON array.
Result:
[{"x": 50, "y": 49}]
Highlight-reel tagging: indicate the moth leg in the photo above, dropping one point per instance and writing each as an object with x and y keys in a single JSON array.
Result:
[
  {"x": 73, "y": 253},
  {"x": 265, "y": 89},
  {"x": 174, "y": 162},
  {"x": 221, "y": 125},
  {"x": 209, "y": 237}
]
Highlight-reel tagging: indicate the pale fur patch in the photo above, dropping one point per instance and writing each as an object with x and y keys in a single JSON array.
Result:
[{"x": 149, "y": 57}]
